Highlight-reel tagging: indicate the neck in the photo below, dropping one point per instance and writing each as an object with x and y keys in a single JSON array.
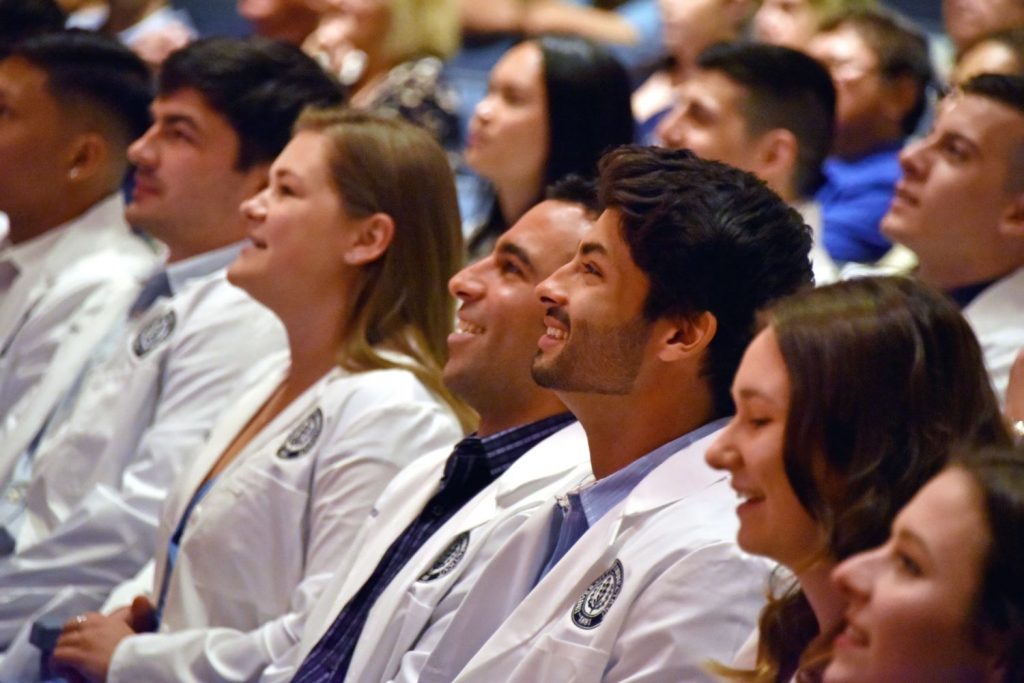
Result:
[
  {"x": 946, "y": 275},
  {"x": 186, "y": 241},
  {"x": 124, "y": 15},
  {"x": 315, "y": 336},
  {"x": 496, "y": 419},
  {"x": 24, "y": 228},
  {"x": 622, "y": 429},
  {"x": 826, "y": 602},
  {"x": 516, "y": 196},
  {"x": 859, "y": 141},
  {"x": 376, "y": 68}
]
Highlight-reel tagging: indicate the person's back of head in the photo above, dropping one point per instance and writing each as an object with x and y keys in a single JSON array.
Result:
[
  {"x": 258, "y": 85},
  {"x": 708, "y": 237},
  {"x": 588, "y": 94},
  {"x": 20, "y": 19},
  {"x": 901, "y": 51},
  {"x": 784, "y": 89}
]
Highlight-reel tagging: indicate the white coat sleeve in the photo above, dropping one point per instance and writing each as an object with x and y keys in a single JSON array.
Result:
[
  {"x": 357, "y": 467},
  {"x": 109, "y": 535}
]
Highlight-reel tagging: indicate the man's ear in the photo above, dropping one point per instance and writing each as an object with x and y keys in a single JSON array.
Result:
[
  {"x": 777, "y": 152},
  {"x": 687, "y": 336},
  {"x": 1011, "y": 222},
  {"x": 370, "y": 238},
  {"x": 87, "y": 157}
]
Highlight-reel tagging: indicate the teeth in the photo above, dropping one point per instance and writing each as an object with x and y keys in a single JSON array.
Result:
[
  {"x": 745, "y": 496},
  {"x": 468, "y": 327},
  {"x": 555, "y": 333}
]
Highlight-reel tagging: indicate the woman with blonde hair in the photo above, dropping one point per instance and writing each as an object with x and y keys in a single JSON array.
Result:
[
  {"x": 390, "y": 54},
  {"x": 355, "y": 267},
  {"x": 848, "y": 401}
]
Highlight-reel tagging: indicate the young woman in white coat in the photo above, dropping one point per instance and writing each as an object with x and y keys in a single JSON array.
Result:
[
  {"x": 941, "y": 601},
  {"x": 351, "y": 246},
  {"x": 847, "y": 402}
]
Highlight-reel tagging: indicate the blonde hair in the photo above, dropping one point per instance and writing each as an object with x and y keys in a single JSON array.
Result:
[
  {"x": 419, "y": 27},
  {"x": 402, "y": 304}
]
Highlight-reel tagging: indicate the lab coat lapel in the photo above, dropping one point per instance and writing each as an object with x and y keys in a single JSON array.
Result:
[{"x": 683, "y": 474}]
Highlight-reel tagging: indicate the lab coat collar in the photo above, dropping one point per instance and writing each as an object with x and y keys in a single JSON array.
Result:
[
  {"x": 999, "y": 306},
  {"x": 235, "y": 420},
  {"x": 181, "y": 272},
  {"x": 57, "y": 249},
  {"x": 682, "y": 475},
  {"x": 550, "y": 459}
]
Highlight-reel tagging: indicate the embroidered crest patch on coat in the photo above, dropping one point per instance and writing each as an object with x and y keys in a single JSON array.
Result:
[
  {"x": 302, "y": 437},
  {"x": 589, "y": 610},
  {"x": 448, "y": 559}
]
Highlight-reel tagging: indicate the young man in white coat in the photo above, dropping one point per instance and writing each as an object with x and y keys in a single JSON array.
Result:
[
  {"x": 224, "y": 110},
  {"x": 70, "y": 103},
  {"x": 766, "y": 109},
  {"x": 638, "y": 574},
  {"x": 960, "y": 208},
  {"x": 429, "y": 524}
]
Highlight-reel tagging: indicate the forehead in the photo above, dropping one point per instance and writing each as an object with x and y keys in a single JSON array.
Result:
[
  {"x": 23, "y": 81},
  {"x": 840, "y": 44},
  {"x": 991, "y": 125},
  {"x": 947, "y": 515},
  {"x": 715, "y": 90},
  {"x": 522, "y": 66},
  {"x": 548, "y": 234},
  {"x": 763, "y": 369},
  {"x": 189, "y": 104},
  {"x": 306, "y": 152}
]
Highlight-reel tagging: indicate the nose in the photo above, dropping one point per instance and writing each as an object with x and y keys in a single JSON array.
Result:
[
  {"x": 141, "y": 152},
  {"x": 671, "y": 130},
  {"x": 914, "y": 159},
  {"x": 254, "y": 208},
  {"x": 465, "y": 285},
  {"x": 856, "y": 576},
  {"x": 551, "y": 291},
  {"x": 722, "y": 454},
  {"x": 484, "y": 109}
]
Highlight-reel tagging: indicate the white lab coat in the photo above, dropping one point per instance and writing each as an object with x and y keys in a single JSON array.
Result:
[
  {"x": 408, "y": 604},
  {"x": 997, "y": 317},
  {"x": 686, "y": 593},
  {"x": 261, "y": 545},
  {"x": 100, "y": 478},
  {"x": 76, "y": 283}
]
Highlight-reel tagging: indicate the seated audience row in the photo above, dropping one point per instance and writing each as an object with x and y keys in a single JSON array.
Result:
[{"x": 266, "y": 437}]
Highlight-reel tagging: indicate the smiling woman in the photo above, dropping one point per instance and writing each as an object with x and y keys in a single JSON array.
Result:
[
  {"x": 354, "y": 266},
  {"x": 847, "y": 403},
  {"x": 941, "y": 600}
]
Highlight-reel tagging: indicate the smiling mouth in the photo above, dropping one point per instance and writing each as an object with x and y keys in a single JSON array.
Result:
[
  {"x": 466, "y": 327},
  {"x": 555, "y": 333}
]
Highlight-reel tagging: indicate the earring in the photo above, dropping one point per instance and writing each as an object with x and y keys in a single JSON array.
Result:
[{"x": 73, "y": 173}]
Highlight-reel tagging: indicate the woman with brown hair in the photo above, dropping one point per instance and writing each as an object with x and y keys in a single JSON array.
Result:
[
  {"x": 355, "y": 266},
  {"x": 848, "y": 401}
]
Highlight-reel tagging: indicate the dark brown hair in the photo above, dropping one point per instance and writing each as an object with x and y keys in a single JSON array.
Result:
[{"x": 886, "y": 380}]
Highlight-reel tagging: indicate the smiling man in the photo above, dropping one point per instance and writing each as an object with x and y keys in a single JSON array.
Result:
[
  {"x": 100, "y": 470},
  {"x": 960, "y": 208},
  {"x": 638, "y": 574},
  {"x": 426, "y": 531}
]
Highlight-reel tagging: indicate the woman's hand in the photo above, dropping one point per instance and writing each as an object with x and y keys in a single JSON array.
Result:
[{"x": 87, "y": 644}]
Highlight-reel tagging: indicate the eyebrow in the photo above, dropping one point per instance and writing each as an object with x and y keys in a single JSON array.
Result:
[
  {"x": 748, "y": 393},
  {"x": 907, "y": 536},
  {"x": 518, "y": 252},
  {"x": 183, "y": 119},
  {"x": 587, "y": 248}
]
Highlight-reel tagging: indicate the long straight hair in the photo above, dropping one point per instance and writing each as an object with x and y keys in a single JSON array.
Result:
[{"x": 402, "y": 305}]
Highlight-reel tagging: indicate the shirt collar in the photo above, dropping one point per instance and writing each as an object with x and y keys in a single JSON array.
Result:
[
  {"x": 180, "y": 272},
  {"x": 604, "y": 494},
  {"x": 503, "y": 448}
]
